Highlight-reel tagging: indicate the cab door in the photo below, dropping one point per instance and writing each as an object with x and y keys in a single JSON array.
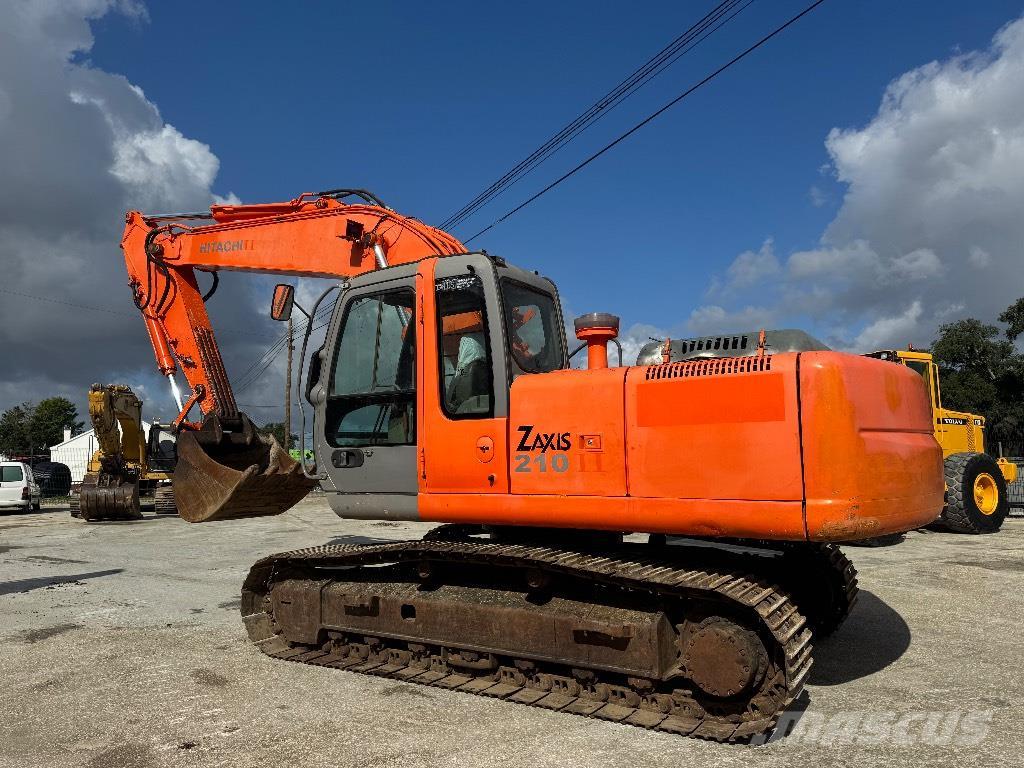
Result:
[
  {"x": 366, "y": 400},
  {"x": 464, "y": 382}
]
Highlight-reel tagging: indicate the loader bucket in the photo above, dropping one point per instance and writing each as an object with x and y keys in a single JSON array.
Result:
[{"x": 225, "y": 477}]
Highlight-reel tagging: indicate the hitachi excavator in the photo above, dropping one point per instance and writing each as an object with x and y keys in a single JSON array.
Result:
[{"x": 443, "y": 393}]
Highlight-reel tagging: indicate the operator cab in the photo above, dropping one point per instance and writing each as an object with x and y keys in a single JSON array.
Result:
[{"x": 397, "y": 358}]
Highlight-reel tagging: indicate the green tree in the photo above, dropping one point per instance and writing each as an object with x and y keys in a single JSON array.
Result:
[
  {"x": 981, "y": 372},
  {"x": 14, "y": 430},
  {"x": 275, "y": 429},
  {"x": 1014, "y": 319},
  {"x": 49, "y": 420},
  {"x": 29, "y": 429}
]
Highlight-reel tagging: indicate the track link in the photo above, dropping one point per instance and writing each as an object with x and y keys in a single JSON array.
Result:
[
  {"x": 819, "y": 577},
  {"x": 676, "y": 711}
]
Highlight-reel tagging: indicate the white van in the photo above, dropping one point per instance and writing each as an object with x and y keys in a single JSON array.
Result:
[{"x": 18, "y": 489}]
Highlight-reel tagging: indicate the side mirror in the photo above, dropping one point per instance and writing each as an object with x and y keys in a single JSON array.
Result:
[{"x": 284, "y": 298}]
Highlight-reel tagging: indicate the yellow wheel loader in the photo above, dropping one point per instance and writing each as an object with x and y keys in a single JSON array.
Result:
[{"x": 976, "y": 495}]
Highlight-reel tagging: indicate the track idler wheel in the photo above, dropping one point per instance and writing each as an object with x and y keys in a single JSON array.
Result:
[{"x": 223, "y": 475}]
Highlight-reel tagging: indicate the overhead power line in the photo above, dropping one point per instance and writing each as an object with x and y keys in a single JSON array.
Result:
[
  {"x": 736, "y": 59},
  {"x": 67, "y": 303},
  {"x": 92, "y": 308},
  {"x": 255, "y": 371},
  {"x": 711, "y": 22}
]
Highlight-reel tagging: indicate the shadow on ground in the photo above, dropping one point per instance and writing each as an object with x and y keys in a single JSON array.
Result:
[
  {"x": 873, "y": 637},
  {"x": 27, "y": 585}
]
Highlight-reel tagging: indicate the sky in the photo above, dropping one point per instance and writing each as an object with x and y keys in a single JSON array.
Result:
[{"x": 861, "y": 176}]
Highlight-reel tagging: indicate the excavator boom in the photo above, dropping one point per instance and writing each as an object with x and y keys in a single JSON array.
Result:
[{"x": 225, "y": 469}]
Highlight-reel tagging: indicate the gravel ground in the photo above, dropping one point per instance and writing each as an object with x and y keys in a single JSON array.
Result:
[{"x": 122, "y": 646}]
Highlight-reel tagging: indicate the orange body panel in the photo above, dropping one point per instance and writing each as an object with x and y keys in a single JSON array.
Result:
[
  {"x": 872, "y": 465},
  {"x": 693, "y": 425},
  {"x": 567, "y": 435},
  {"x": 781, "y": 520},
  {"x": 716, "y": 448}
]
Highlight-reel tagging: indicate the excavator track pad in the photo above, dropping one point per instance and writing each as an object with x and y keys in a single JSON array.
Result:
[
  {"x": 626, "y": 635},
  {"x": 225, "y": 476}
]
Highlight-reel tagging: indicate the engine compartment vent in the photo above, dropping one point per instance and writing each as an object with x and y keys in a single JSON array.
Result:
[
  {"x": 720, "y": 366},
  {"x": 729, "y": 345}
]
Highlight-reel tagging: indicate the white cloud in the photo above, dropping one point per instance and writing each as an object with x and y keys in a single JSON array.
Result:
[
  {"x": 931, "y": 211},
  {"x": 713, "y": 319},
  {"x": 921, "y": 264},
  {"x": 78, "y": 147},
  {"x": 751, "y": 267},
  {"x": 881, "y": 333}
]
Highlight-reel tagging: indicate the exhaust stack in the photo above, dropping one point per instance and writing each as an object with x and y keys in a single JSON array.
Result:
[{"x": 597, "y": 329}]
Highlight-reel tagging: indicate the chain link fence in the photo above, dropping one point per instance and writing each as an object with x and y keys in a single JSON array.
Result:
[
  {"x": 1011, "y": 446},
  {"x": 1015, "y": 490}
]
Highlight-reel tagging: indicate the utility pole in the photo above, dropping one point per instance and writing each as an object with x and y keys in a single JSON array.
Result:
[{"x": 288, "y": 392}]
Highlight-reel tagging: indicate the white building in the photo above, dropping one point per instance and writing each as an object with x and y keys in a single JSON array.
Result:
[{"x": 76, "y": 451}]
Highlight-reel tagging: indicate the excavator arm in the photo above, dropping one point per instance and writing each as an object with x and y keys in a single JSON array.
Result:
[
  {"x": 310, "y": 236},
  {"x": 110, "y": 488},
  {"x": 224, "y": 468},
  {"x": 116, "y": 416}
]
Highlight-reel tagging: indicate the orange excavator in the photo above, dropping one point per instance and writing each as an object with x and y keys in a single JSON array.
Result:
[{"x": 443, "y": 393}]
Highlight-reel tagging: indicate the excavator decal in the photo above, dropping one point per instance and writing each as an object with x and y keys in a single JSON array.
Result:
[{"x": 542, "y": 441}]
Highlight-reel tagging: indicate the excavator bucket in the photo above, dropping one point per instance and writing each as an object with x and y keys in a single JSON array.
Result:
[
  {"x": 222, "y": 476},
  {"x": 116, "y": 500}
]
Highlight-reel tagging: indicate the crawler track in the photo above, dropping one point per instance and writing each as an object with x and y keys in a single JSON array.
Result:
[{"x": 674, "y": 703}]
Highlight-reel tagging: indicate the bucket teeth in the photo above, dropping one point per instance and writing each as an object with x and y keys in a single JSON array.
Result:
[{"x": 245, "y": 481}]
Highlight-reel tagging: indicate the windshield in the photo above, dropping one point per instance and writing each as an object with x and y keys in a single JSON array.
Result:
[
  {"x": 920, "y": 366},
  {"x": 11, "y": 473},
  {"x": 535, "y": 342}
]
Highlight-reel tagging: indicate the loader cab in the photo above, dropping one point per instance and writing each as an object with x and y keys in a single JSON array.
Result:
[
  {"x": 955, "y": 431},
  {"x": 922, "y": 364},
  {"x": 413, "y": 389}
]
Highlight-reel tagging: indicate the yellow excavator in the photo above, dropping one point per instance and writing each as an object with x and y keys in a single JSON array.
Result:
[
  {"x": 125, "y": 461},
  {"x": 976, "y": 495}
]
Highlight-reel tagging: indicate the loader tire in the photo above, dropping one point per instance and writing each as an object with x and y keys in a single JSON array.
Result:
[
  {"x": 976, "y": 498},
  {"x": 74, "y": 506}
]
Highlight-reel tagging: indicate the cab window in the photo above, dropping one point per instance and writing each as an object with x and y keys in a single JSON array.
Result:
[
  {"x": 534, "y": 338},
  {"x": 372, "y": 395},
  {"x": 926, "y": 371},
  {"x": 466, "y": 381},
  {"x": 920, "y": 366}
]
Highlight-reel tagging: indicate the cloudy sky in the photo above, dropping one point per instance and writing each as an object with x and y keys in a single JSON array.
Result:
[{"x": 862, "y": 180}]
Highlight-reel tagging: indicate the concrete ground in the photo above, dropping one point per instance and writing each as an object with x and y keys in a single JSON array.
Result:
[{"x": 122, "y": 646}]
